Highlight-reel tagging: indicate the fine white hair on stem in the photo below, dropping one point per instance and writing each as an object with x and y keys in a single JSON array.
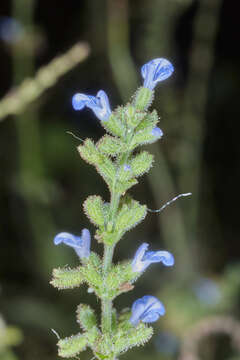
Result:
[
  {"x": 55, "y": 333},
  {"x": 169, "y": 202},
  {"x": 75, "y": 136}
]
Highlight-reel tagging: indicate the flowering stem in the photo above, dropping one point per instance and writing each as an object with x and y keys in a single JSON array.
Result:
[
  {"x": 108, "y": 251},
  {"x": 106, "y": 303}
]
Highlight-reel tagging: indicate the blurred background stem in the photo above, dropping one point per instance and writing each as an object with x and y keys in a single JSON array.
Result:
[
  {"x": 123, "y": 68},
  {"x": 193, "y": 111},
  {"x": 31, "y": 179},
  {"x": 157, "y": 42}
]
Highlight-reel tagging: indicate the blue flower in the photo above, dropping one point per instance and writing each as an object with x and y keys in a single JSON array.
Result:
[
  {"x": 157, "y": 132},
  {"x": 127, "y": 167},
  {"x": 156, "y": 70},
  {"x": 143, "y": 258},
  {"x": 80, "y": 244},
  {"x": 98, "y": 104},
  {"x": 147, "y": 309}
]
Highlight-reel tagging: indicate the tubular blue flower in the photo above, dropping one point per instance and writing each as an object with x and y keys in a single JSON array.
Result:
[
  {"x": 80, "y": 244},
  {"x": 98, "y": 104},
  {"x": 146, "y": 309},
  {"x": 157, "y": 132},
  {"x": 155, "y": 71},
  {"x": 143, "y": 258},
  {"x": 127, "y": 167}
]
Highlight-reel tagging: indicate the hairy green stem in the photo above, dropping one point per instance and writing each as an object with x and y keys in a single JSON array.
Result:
[
  {"x": 106, "y": 303},
  {"x": 108, "y": 249}
]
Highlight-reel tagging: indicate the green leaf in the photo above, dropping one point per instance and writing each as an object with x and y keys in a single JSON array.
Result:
[
  {"x": 124, "y": 175},
  {"x": 104, "y": 347},
  {"x": 111, "y": 145},
  {"x": 125, "y": 340},
  {"x": 71, "y": 346},
  {"x": 86, "y": 317},
  {"x": 118, "y": 279},
  {"x": 107, "y": 170},
  {"x": 130, "y": 214},
  {"x": 95, "y": 261},
  {"x": 143, "y": 132},
  {"x": 89, "y": 153},
  {"x": 141, "y": 163},
  {"x": 103, "y": 164},
  {"x": 67, "y": 278},
  {"x": 133, "y": 116},
  {"x": 114, "y": 125},
  {"x": 92, "y": 335},
  {"x": 94, "y": 209},
  {"x": 92, "y": 273},
  {"x": 122, "y": 187},
  {"x": 108, "y": 237},
  {"x": 150, "y": 121}
]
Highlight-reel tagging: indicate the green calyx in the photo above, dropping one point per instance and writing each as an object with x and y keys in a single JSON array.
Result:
[{"x": 143, "y": 98}]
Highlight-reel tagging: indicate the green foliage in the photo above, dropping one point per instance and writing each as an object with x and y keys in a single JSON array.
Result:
[
  {"x": 107, "y": 170},
  {"x": 89, "y": 152},
  {"x": 130, "y": 214},
  {"x": 67, "y": 278},
  {"x": 133, "y": 116},
  {"x": 114, "y": 125},
  {"x": 141, "y": 163},
  {"x": 108, "y": 237},
  {"x": 125, "y": 340},
  {"x": 92, "y": 273},
  {"x": 94, "y": 209},
  {"x": 116, "y": 159},
  {"x": 86, "y": 317},
  {"x": 122, "y": 187},
  {"x": 71, "y": 346},
  {"x": 143, "y": 132},
  {"x": 111, "y": 145},
  {"x": 143, "y": 98},
  {"x": 92, "y": 336},
  {"x": 119, "y": 280}
]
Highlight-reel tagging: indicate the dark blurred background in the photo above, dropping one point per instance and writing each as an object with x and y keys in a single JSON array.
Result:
[{"x": 44, "y": 182}]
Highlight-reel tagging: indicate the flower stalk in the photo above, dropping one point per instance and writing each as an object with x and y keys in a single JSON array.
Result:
[{"x": 117, "y": 160}]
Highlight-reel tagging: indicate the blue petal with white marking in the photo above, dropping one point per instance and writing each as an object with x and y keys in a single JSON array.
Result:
[
  {"x": 155, "y": 71},
  {"x": 143, "y": 258},
  {"x": 98, "y": 104},
  {"x": 81, "y": 244},
  {"x": 147, "y": 309}
]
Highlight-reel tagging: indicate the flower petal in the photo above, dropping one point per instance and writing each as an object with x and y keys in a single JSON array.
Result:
[
  {"x": 137, "y": 265},
  {"x": 79, "y": 101},
  {"x": 159, "y": 256},
  {"x": 147, "y": 309},
  {"x": 80, "y": 244},
  {"x": 157, "y": 132},
  {"x": 143, "y": 258},
  {"x": 98, "y": 104},
  {"x": 84, "y": 252},
  {"x": 156, "y": 70},
  {"x": 66, "y": 238}
]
